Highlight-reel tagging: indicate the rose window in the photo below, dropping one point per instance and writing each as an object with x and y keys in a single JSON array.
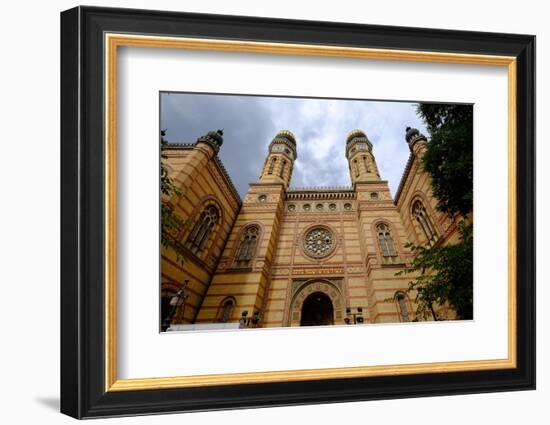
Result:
[{"x": 319, "y": 242}]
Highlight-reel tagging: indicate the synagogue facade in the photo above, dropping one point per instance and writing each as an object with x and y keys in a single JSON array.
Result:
[{"x": 287, "y": 256}]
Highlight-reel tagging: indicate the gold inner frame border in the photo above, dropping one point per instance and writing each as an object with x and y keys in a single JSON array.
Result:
[{"x": 112, "y": 41}]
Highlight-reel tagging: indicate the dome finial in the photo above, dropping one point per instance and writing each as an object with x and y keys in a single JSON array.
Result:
[
  {"x": 286, "y": 134},
  {"x": 356, "y": 133},
  {"x": 412, "y": 135},
  {"x": 213, "y": 138}
]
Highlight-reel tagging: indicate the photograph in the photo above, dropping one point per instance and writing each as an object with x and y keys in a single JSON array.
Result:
[
  {"x": 287, "y": 206},
  {"x": 298, "y": 211}
]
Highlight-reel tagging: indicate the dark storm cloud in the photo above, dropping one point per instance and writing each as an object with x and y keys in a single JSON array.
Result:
[
  {"x": 320, "y": 126},
  {"x": 246, "y": 123}
]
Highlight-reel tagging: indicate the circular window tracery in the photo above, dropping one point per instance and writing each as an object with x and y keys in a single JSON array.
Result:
[{"x": 319, "y": 242}]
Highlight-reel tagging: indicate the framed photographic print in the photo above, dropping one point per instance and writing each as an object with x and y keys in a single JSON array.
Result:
[{"x": 261, "y": 212}]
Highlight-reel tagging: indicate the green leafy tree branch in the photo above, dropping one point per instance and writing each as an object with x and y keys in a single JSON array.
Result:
[
  {"x": 444, "y": 274},
  {"x": 449, "y": 159}
]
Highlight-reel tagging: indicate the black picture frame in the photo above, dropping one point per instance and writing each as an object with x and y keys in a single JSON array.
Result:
[{"x": 83, "y": 392}]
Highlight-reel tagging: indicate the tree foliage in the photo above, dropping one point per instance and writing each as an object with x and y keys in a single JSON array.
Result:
[
  {"x": 445, "y": 273},
  {"x": 449, "y": 157},
  {"x": 171, "y": 223}
]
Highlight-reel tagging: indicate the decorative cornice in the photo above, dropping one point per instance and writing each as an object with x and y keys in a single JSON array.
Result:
[
  {"x": 321, "y": 188},
  {"x": 275, "y": 187},
  {"x": 176, "y": 146},
  {"x": 404, "y": 177},
  {"x": 369, "y": 205},
  {"x": 319, "y": 193},
  {"x": 217, "y": 160}
]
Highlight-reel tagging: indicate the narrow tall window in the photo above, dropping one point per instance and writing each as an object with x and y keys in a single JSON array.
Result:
[
  {"x": 366, "y": 163},
  {"x": 226, "y": 310},
  {"x": 423, "y": 220},
  {"x": 402, "y": 305},
  {"x": 203, "y": 228},
  {"x": 272, "y": 165},
  {"x": 385, "y": 241},
  {"x": 283, "y": 169},
  {"x": 247, "y": 246},
  {"x": 356, "y": 167}
]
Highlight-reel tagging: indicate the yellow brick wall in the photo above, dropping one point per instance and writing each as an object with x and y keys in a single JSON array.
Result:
[
  {"x": 200, "y": 180},
  {"x": 417, "y": 185},
  {"x": 247, "y": 286},
  {"x": 281, "y": 273}
]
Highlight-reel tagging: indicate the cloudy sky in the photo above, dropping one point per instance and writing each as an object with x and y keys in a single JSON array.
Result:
[{"x": 320, "y": 127}]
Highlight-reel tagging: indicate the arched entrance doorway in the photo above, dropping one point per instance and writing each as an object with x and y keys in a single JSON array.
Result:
[
  {"x": 317, "y": 310},
  {"x": 302, "y": 290}
]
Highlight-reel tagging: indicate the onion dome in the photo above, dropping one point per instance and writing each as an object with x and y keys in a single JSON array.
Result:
[
  {"x": 286, "y": 138},
  {"x": 356, "y": 141},
  {"x": 356, "y": 134},
  {"x": 412, "y": 135},
  {"x": 213, "y": 138},
  {"x": 286, "y": 134}
]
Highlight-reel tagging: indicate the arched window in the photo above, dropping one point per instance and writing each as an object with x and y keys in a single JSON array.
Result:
[
  {"x": 428, "y": 229},
  {"x": 227, "y": 307},
  {"x": 387, "y": 248},
  {"x": 247, "y": 246},
  {"x": 272, "y": 166},
  {"x": 356, "y": 166},
  {"x": 203, "y": 228},
  {"x": 401, "y": 301},
  {"x": 283, "y": 169}
]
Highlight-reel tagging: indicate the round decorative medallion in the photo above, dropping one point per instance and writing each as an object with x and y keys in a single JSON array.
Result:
[
  {"x": 332, "y": 207},
  {"x": 319, "y": 207},
  {"x": 262, "y": 198},
  {"x": 347, "y": 207},
  {"x": 291, "y": 207},
  {"x": 319, "y": 242},
  {"x": 307, "y": 207},
  {"x": 374, "y": 195}
]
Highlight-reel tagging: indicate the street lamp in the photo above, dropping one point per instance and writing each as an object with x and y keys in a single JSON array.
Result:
[
  {"x": 357, "y": 316},
  {"x": 176, "y": 301}
]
